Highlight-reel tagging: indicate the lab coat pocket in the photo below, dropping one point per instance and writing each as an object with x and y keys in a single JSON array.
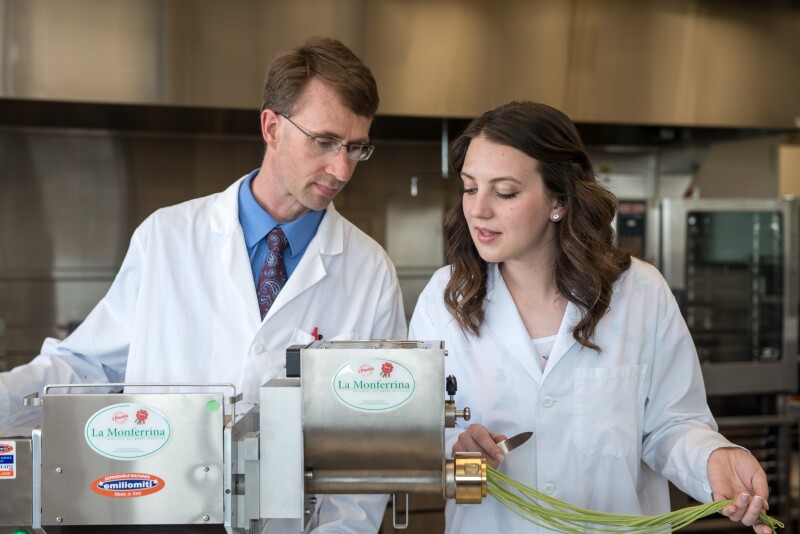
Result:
[
  {"x": 347, "y": 336},
  {"x": 608, "y": 410},
  {"x": 299, "y": 337}
]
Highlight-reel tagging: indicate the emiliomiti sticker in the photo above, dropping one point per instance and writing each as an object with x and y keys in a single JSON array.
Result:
[{"x": 127, "y": 485}]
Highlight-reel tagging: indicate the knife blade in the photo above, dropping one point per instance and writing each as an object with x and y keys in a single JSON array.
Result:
[{"x": 508, "y": 445}]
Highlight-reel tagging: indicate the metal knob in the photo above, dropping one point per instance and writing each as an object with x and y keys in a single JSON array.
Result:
[
  {"x": 450, "y": 411},
  {"x": 449, "y": 414}
]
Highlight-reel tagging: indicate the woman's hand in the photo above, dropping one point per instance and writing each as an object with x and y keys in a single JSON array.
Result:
[
  {"x": 476, "y": 438},
  {"x": 734, "y": 473}
]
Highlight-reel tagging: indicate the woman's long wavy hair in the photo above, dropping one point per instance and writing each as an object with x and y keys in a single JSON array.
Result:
[{"x": 586, "y": 264}]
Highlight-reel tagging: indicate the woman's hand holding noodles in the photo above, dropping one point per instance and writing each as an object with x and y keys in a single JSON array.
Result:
[{"x": 734, "y": 473}]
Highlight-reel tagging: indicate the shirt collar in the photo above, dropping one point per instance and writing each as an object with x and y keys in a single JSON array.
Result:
[{"x": 257, "y": 223}]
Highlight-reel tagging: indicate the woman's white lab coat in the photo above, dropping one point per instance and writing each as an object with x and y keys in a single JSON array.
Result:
[
  {"x": 183, "y": 307},
  {"x": 608, "y": 427}
]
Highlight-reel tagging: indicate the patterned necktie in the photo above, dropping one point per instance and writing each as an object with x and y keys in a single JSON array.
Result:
[{"x": 273, "y": 274}]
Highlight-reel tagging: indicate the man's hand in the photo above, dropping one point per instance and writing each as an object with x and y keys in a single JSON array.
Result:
[{"x": 734, "y": 473}]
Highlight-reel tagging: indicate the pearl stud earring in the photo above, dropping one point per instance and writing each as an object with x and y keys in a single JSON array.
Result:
[{"x": 554, "y": 216}]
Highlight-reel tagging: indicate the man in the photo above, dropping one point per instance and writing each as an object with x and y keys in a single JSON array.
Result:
[{"x": 215, "y": 289}]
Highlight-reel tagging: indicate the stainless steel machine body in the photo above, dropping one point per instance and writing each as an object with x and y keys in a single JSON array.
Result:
[
  {"x": 16, "y": 481},
  {"x": 365, "y": 417},
  {"x": 373, "y": 417},
  {"x": 128, "y": 459},
  {"x": 123, "y": 448}
]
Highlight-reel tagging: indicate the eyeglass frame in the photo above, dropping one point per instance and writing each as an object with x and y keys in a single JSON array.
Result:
[{"x": 365, "y": 148}]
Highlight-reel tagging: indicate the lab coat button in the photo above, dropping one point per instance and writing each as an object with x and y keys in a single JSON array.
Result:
[
  {"x": 258, "y": 348},
  {"x": 547, "y": 402},
  {"x": 548, "y": 488}
]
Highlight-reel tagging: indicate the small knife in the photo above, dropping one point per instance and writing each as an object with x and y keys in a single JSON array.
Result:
[{"x": 513, "y": 442}]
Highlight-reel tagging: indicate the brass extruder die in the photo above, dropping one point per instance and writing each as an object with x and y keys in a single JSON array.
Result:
[{"x": 465, "y": 478}]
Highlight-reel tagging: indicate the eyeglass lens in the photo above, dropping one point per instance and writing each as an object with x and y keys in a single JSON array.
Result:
[
  {"x": 355, "y": 152},
  {"x": 326, "y": 146}
]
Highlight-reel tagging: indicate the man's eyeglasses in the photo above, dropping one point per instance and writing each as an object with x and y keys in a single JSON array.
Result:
[{"x": 325, "y": 146}]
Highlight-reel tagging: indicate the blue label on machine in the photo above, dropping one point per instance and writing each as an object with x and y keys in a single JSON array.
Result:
[{"x": 8, "y": 464}]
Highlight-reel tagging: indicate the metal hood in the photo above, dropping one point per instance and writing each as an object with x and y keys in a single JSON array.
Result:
[{"x": 681, "y": 62}]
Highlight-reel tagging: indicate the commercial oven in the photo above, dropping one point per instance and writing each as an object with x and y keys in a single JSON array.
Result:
[{"x": 732, "y": 265}]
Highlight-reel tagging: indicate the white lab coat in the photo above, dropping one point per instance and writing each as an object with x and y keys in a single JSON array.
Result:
[
  {"x": 183, "y": 308},
  {"x": 609, "y": 428}
]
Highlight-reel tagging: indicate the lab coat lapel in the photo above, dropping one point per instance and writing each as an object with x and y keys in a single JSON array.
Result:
[
  {"x": 235, "y": 262},
  {"x": 564, "y": 340},
  {"x": 505, "y": 323},
  {"x": 328, "y": 241}
]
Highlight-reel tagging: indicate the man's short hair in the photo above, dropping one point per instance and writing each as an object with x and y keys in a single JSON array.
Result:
[{"x": 329, "y": 61}]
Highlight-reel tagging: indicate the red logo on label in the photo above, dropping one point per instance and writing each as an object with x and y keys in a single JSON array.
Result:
[
  {"x": 119, "y": 417},
  {"x": 141, "y": 417},
  {"x": 365, "y": 369},
  {"x": 386, "y": 370},
  {"x": 6, "y": 448},
  {"x": 127, "y": 485}
]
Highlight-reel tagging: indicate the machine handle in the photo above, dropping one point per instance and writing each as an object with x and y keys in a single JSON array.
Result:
[
  {"x": 233, "y": 399},
  {"x": 399, "y": 526},
  {"x": 32, "y": 400}
]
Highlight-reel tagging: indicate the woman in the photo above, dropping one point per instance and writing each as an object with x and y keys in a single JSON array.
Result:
[{"x": 551, "y": 329}]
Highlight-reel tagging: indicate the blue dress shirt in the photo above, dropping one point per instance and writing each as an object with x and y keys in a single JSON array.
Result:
[{"x": 257, "y": 223}]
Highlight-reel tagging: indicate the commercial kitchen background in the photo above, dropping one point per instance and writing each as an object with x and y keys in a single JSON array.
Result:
[{"x": 110, "y": 109}]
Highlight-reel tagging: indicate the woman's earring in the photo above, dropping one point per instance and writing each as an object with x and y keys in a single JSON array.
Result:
[{"x": 555, "y": 216}]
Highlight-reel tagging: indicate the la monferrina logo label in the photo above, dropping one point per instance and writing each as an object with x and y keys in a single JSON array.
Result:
[
  {"x": 127, "y": 431},
  {"x": 373, "y": 385}
]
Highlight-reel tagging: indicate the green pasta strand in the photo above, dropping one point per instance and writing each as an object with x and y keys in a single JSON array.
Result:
[{"x": 565, "y": 518}]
